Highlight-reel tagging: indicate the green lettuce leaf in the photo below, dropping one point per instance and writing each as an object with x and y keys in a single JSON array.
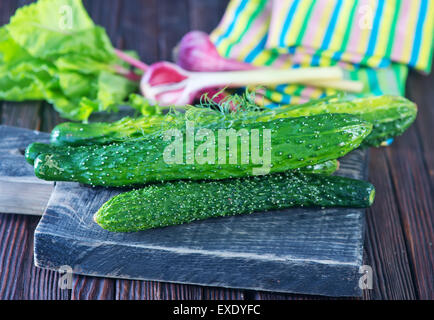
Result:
[
  {"x": 113, "y": 88},
  {"x": 52, "y": 50},
  {"x": 49, "y": 29}
]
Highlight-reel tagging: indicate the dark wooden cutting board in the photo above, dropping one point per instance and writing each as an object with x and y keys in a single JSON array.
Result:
[
  {"x": 310, "y": 251},
  {"x": 20, "y": 191}
]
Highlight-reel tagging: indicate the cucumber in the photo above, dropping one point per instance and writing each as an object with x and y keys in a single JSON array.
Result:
[
  {"x": 325, "y": 168},
  {"x": 295, "y": 143},
  {"x": 183, "y": 202},
  {"x": 85, "y": 134},
  {"x": 78, "y": 134},
  {"x": 36, "y": 148},
  {"x": 390, "y": 116}
]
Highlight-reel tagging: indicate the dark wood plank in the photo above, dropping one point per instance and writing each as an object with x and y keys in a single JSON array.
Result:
[
  {"x": 14, "y": 246},
  {"x": 138, "y": 290},
  {"x": 420, "y": 90},
  {"x": 205, "y": 15},
  {"x": 173, "y": 24},
  {"x": 411, "y": 184},
  {"x": 43, "y": 284},
  {"x": 106, "y": 14},
  {"x": 49, "y": 118},
  {"x": 7, "y": 9},
  {"x": 295, "y": 250},
  {"x": 260, "y": 295},
  {"x": 411, "y": 169},
  {"x": 24, "y": 2},
  {"x": 385, "y": 247},
  {"x": 91, "y": 288},
  {"x": 19, "y": 279},
  {"x": 173, "y": 291},
  {"x": 152, "y": 290},
  {"x": 20, "y": 191},
  {"x": 139, "y": 28},
  {"x": 24, "y": 115},
  {"x": 210, "y": 293}
]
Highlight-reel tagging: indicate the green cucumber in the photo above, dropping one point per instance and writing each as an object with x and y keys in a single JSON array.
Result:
[
  {"x": 36, "y": 148},
  {"x": 390, "y": 116},
  {"x": 325, "y": 168},
  {"x": 78, "y": 134},
  {"x": 295, "y": 143},
  {"x": 85, "y": 134},
  {"x": 183, "y": 202}
]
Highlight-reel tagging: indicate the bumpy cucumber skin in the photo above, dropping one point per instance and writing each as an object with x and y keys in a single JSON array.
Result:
[
  {"x": 35, "y": 149},
  {"x": 86, "y": 134},
  {"x": 75, "y": 134},
  {"x": 81, "y": 134},
  {"x": 391, "y": 116},
  {"x": 325, "y": 168},
  {"x": 183, "y": 202},
  {"x": 295, "y": 142}
]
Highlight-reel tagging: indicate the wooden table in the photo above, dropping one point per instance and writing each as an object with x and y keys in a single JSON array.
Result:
[{"x": 399, "y": 235}]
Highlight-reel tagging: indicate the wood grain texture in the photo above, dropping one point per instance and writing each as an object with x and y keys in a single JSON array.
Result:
[
  {"x": 20, "y": 191},
  {"x": 139, "y": 29},
  {"x": 420, "y": 90},
  {"x": 414, "y": 196},
  {"x": 49, "y": 118},
  {"x": 205, "y": 15},
  {"x": 153, "y": 290},
  {"x": 90, "y": 288},
  {"x": 29, "y": 198},
  {"x": 24, "y": 115},
  {"x": 385, "y": 244},
  {"x": 173, "y": 24},
  {"x": 6, "y": 9},
  {"x": 19, "y": 278},
  {"x": 297, "y": 250},
  {"x": 417, "y": 207},
  {"x": 109, "y": 15},
  {"x": 134, "y": 26}
]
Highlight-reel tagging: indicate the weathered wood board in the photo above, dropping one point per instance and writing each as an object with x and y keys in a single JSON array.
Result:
[
  {"x": 309, "y": 251},
  {"x": 20, "y": 191}
]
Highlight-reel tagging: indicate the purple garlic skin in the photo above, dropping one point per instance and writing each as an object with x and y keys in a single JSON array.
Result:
[{"x": 196, "y": 52}]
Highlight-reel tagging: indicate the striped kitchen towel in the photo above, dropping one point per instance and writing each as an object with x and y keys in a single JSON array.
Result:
[
  {"x": 373, "y": 40},
  {"x": 365, "y": 32}
]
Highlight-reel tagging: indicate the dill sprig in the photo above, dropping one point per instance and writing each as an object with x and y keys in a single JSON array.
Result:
[{"x": 232, "y": 103}]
